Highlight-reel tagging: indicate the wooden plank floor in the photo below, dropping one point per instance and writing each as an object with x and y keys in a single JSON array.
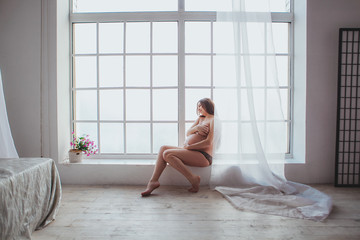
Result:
[{"x": 118, "y": 212}]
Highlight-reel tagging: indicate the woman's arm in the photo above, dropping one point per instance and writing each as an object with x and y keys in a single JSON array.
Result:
[
  {"x": 193, "y": 127},
  {"x": 204, "y": 144}
]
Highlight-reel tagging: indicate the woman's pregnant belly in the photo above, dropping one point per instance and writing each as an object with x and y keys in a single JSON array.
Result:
[{"x": 194, "y": 138}]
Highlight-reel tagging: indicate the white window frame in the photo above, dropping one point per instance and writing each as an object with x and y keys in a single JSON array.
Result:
[{"x": 180, "y": 16}]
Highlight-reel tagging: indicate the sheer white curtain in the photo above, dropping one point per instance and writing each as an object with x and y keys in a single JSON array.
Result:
[
  {"x": 248, "y": 168},
  {"x": 7, "y": 147}
]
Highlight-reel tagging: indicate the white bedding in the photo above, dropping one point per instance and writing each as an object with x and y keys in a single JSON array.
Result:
[{"x": 30, "y": 194}]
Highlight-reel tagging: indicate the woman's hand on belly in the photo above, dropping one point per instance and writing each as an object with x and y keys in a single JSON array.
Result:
[{"x": 193, "y": 138}]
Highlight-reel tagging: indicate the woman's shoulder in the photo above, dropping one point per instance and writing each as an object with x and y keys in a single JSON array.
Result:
[
  {"x": 208, "y": 120},
  {"x": 205, "y": 120},
  {"x": 210, "y": 117}
]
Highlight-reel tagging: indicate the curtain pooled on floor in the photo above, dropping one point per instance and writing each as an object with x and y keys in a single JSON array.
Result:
[
  {"x": 248, "y": 169},
  {"x": 7, "y": 147}
]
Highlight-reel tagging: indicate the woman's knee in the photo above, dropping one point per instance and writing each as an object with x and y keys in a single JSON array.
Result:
[
  {"x": 167, "y": 154},
  {"x": 164, "y": 148}
]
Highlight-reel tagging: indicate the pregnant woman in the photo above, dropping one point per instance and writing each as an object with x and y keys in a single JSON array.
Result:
[{"x": 196, "y": 152}]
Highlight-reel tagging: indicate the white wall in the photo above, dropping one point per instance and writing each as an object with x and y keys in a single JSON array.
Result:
[
  {"x": 20, "y": 60},
  {"x": 324, "y": 18},
  {"x": 20, "y": 51}
]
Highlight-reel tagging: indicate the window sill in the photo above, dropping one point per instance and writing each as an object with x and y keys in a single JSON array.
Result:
[
  {"x": 145, "y": 162},
  {"x": 136, "y": 162}
]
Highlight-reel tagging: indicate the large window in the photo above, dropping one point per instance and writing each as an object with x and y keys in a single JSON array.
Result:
[{"x": 138, "y": 69}]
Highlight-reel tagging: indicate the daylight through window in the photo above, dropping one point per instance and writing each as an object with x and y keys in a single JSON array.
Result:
[{"x": 137, "y": 72}]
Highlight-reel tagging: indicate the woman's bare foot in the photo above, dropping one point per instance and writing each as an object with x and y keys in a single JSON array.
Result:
[
  {"x": 195, "y": 185},
  {"x": 150, "y": 187}
]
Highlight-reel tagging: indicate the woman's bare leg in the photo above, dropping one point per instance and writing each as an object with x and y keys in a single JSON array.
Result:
[
  {"x": 177, "y": 158},
  {"x": 158, "y": 170}
]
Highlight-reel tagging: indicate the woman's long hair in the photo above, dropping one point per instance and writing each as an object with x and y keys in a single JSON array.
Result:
[{"x": 207, "y": 104}]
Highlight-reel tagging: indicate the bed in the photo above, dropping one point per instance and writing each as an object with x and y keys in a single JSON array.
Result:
[{"x": 30, "y": 194}]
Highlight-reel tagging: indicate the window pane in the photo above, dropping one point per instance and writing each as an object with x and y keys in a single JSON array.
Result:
[
  {"x": 111, "y": 37},
  {"x": 137, "y": 104},
  {"x": 197, "y": 71},
  {"x": 281, "y": 37},
  {"x": 280, "y": 5},
  {"x": 208, "y": 5},
  {"x": 276, "y": 137},
  {"x": 165, "y": 104},
  {"x": 229, "y": 138},
  {"x": 226, "y": 5},
  {"x": 282, "y": 73},
  {"x": 283, "y": 69},
  {"x": 263, "y": 5},
  {"x": 111, "y": 71},
  {"x": 84, "y": 38},
  {"x": 273, "y": 99},
  {"x": 247, "y": 139},
  {"x": 255, "y": 34},
  {"x": 165, "y": 71},
  {"x": 192, "y": 96},
  {"x": 257, "y": 69},
  {"x": 138, "y": 37},
  {"x": 137, "y": 71},
  {"x": 84, "y": 72},
  {"x": 124, "y": 6},
  {"x": 160, "y": 139},
  {"x": 226, "y": 103},
  {"x": 86, "y": 105},
  {"x": 257, "y": 5},
  {"x": 224, "y": 37},
  {"x": 197, "y": 37},
  {"x": 257, "y": 72},
  {"x": 259, "y": 103},
  {"x": 138, "y": 138},
  {"x": 87, "y": 129},
  {"x": 165, "y": 37},
  {"x": 244, "y": 109},
  {"x": 112, "y": 137},
  {"x": 224, "y": 71},
  {"x": 111, "y": 105}
]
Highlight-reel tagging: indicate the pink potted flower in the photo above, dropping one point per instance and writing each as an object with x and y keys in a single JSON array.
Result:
[{"x": 80, "y": 146}]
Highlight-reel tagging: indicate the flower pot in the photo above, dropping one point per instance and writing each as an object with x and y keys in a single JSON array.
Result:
[{"x": 75, "y": 155}]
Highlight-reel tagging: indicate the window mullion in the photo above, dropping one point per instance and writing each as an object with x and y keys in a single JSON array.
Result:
[
  {"x": 212, "y": 60},
  {"x": 151, "y": 90},
  {"x": 181, "y": 5},
  {"x": 98, "y": 85},
  {"x": 282, "y": 17},
  {"x": 291, "y": 86},
  {"x": 155, "y": 16},
  {"x": 124, "y": 91},
  {"x": 181, "y": 72},
  {"x": 266, "y": 84}
]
